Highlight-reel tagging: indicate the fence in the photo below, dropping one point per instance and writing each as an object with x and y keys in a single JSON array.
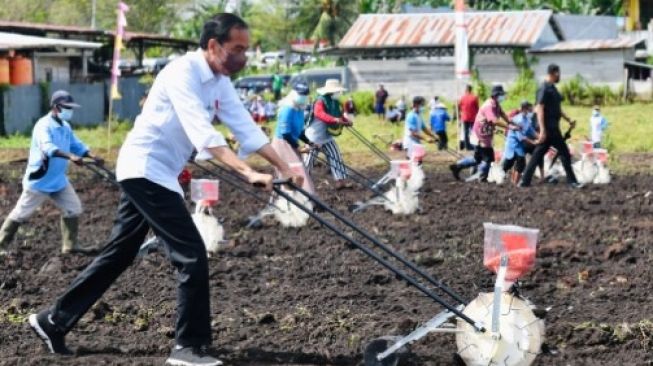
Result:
[{"x": 22, "y": 106}]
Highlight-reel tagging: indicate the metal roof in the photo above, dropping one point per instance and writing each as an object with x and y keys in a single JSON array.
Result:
[
  {"x": 484, "y": 29},
  {"x": 590, "y": 45},
  {"x": 14, "y": 41},
  {"x": 42, "y": 29}
]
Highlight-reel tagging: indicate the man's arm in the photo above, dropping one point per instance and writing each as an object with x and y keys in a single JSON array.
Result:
[
  {"x": 225, "y": 155},
  {"x": 539, "y": 112},
  {"x": 572, "y": 123}
]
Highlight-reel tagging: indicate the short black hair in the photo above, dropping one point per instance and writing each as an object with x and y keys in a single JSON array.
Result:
[
  {"x": 552, "y": 69},
  {"x": 469, "y": 87},
  {"x": 218, "y": 28},
  {"x": 418, "y": 101}
]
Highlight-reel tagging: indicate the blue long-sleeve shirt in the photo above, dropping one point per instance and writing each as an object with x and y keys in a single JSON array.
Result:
[
  {"x": 49, "y": 136},
  {"x": 290, "y": 125},
  {"x": 515, "y": 139},
  {"x": 439, "y": 119}
]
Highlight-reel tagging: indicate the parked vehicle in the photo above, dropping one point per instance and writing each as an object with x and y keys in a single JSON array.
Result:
[{"x": 316, "y": 78}]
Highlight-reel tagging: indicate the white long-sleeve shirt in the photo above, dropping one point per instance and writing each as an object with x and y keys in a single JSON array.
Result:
[
  {"x": 176, "y": 119},
  {"x": 598, "y": 124}
]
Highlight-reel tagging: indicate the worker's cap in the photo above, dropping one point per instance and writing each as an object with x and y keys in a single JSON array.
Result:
[
  {"x": 64, "y": 99},
  {"x": 301, "y": 88},
  {"x": 597, "y": 107},
  {"x": 526, "y": 104},
  {"x": 498, "y": 90}
]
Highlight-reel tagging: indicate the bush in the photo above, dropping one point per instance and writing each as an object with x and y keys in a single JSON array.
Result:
[
  {"x": 363, "y": 100},
  {"x": 577, "y": 91},
  {"x": 481, "y": 88}
]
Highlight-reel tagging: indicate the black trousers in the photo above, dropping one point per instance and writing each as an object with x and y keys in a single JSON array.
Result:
[
  {"x": 443, "y": 141},
  {"x": 556, "y": 140},
  {"x": 466, "y": 144},
  {"x": 519, "y": 162},
  {"x": 144, "y": 205}
]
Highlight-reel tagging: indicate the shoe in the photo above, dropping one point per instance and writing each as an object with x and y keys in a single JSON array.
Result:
[
  {"x": 551, "y": 179},
  {"x": 521, "y": 184},
  {"x": 576, "y": 185},
  {"x": 191, "y": 356},
  {"x": 45, "y": 329},
  {"x": 455, "y": 170}
]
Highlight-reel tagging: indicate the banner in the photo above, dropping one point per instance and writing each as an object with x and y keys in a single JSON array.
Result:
[{"x": 121, "y": 23}]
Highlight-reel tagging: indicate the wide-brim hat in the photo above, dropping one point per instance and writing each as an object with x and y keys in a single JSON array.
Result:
[
  {"x": 331, "y": 86},
  {"x": 63, "y": 98},
  {"x": 440, "y": 105}
]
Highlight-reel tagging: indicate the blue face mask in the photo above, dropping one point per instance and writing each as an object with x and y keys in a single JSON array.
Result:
[
  {"x": 65, "y": 114},
  {"x": 501, "y": 98}
]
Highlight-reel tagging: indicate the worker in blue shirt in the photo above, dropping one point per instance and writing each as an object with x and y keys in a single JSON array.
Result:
[
  {"x": 415, "y": 132},
  {"x": 514, "y": 153},
  {"x": 53, "y": 145},
  {"x": 439, "y": 118}
]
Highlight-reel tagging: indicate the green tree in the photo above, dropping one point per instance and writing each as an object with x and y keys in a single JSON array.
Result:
[
  {"x": 192, "y": 28},
  {"x": 323, "y": 19}
]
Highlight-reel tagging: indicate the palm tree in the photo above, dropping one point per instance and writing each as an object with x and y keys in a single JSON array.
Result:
[{"x": 324, "y": 19}]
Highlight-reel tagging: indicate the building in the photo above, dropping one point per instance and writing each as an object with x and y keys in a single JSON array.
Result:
[
  {"x": 413, "y": 53},
  {"x": 96, "y": 60}
]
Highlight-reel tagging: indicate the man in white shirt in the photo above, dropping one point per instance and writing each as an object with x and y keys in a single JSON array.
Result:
[
  {"x": 176, "y": 120},
  {"x": 598, "y": 124}
]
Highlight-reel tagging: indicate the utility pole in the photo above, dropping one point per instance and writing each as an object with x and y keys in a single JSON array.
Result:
[{"x": 93, "y": 6}]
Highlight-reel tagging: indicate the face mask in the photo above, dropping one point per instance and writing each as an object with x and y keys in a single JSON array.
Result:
[
  {"x": 336, "y": 95},
  {"x": 301, "y": 100},
  {"x": 529, "y": 115},
  {"x": 65, "y": 114},
  {"x": 421, "y": 110},
  {"x": 501, "y": 98},
  {"x": 233, "y": 62}
]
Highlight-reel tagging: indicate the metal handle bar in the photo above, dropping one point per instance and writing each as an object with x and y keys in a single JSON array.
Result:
[{"x": 410, "y": 280}]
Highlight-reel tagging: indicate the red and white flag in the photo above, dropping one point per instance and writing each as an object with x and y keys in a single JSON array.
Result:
[
  {"x": 461, "y": 47},
  {"x": 121, "y": 23}
]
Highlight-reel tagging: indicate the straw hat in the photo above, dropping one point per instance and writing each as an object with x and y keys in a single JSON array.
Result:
[{"x": 331, "y": 86}]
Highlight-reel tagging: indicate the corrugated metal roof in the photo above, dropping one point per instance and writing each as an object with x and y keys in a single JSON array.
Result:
[
  {"x": 510, "y": 28},
  {"x": 590, "y": 45},
  {"x": 14, "y": 41},
  {"x": 41, "y": 28}
]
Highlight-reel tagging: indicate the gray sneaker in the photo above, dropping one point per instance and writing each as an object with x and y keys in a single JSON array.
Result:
[{"x": 191, "y": 356}]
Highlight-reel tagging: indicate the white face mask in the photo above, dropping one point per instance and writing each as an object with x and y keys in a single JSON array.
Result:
[
  {"x": 65, "y": 114},
  {"x": 300, "y": 100}
]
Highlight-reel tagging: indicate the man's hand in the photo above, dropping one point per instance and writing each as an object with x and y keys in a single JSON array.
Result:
[
  {"x": 572, "y": 123},
  {"x": 541, "y": 138},
  {"x": 76, "y": 159},
  {"x": 304, "y": 149},
  {"x": 514, "y": 127},
  {"x": 259, "y": 179},
  {"x": 345, "y": 122},
  {"x": 296, "y": 178},
  {"x": 98, "y": 160}
]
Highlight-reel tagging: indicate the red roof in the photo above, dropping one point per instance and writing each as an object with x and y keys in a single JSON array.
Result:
[{"x": 509, "y": 28}]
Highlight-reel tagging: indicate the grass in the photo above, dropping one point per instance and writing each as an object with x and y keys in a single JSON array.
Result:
[{"x": 630, "y": 130}]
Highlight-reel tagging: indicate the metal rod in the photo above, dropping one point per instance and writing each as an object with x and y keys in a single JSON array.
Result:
[
  {"x": 102, "y": 172},
  {"x": 369, "y": 144},
  {"x": 362, "y": 180},
  {"x": 229, "y": 177},
  {"x": 382, "y": 246},
  {"x": 410, "y": 280}
]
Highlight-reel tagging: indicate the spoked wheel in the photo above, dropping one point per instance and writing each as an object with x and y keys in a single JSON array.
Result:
[{"x": 377, "y": 346}]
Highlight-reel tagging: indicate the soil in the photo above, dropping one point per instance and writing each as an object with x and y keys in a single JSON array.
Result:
[{"x": 303, "y": 297}]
